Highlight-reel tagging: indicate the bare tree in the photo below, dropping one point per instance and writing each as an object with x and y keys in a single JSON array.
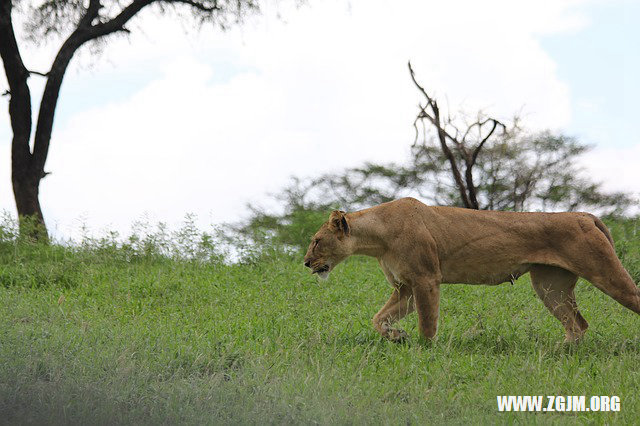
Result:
[
  {"x": 78, "y": 22},
  {"x": 467, "y": 144},
  {"x": 496, "y": 167}
]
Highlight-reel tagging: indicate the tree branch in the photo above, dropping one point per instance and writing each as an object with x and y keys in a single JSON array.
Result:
[
  {"x": 424, "y": 92},
  {"x": 478, "y": 123},
  {"x": 496, "y": 123},
  {"x": 91, "y": 14},
  {"x": 201, "y": 7},
  {"x": 118, "y": 22},
  {"x": 41, "y": 74}
]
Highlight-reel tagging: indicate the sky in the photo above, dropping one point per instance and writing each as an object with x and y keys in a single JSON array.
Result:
[{"x": 172, "y": 120}]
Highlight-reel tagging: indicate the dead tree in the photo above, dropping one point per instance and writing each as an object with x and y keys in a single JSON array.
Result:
[{"x": 452, "y": 141}]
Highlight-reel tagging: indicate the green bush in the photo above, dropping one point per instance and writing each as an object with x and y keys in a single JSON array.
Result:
[{"x": 293, "y": 230}]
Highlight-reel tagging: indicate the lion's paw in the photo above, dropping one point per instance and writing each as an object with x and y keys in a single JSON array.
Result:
[{"x": 397, "y": 335}]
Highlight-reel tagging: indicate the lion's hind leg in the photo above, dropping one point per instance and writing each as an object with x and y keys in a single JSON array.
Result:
[
  {"x": 399, "y": 305},
  {"x": 592, "y": 256},
  {"x": 555, "y": 287}
]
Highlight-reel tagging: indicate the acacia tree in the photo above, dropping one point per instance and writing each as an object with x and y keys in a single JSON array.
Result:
[{"x": 77, "y": 22}]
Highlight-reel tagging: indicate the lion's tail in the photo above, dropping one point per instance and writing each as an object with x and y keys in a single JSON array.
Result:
[{"x": 603, "y": 228}]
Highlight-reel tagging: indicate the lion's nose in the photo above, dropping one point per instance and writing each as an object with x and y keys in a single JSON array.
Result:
[{"x": 307, "y": 263}]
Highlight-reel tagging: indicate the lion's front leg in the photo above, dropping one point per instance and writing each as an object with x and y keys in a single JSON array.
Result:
[{"x": 397, "y": 307}]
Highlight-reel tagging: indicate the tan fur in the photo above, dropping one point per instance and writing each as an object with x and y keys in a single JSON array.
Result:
[{"x": 419, "y": 247}]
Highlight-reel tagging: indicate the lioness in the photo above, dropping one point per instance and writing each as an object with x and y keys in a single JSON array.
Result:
[{"x": 419, "y": 247}]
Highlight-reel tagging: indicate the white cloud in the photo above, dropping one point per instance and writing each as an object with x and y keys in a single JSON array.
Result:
[
  {"x": 226, "y": 117},
  {"x": 615, "y": 167}
]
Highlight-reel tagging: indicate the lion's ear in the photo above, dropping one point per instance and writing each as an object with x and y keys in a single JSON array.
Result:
[{"x": 338, "y": 221}]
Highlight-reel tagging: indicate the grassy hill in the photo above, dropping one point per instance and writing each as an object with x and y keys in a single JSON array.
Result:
[{"x": 105, "y": 333}]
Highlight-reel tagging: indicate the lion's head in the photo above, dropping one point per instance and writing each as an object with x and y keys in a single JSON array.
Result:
[{"x": 329, "y": 246}]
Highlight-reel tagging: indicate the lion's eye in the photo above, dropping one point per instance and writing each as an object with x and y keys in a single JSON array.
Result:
[{"x": 315, "y": 243}]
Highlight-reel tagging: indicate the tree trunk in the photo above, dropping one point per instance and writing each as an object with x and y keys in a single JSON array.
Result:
[
  {"x": 27, "y": 166},
  {"x": 25, "y": 190},
  {"x": 25, "y": 181}
]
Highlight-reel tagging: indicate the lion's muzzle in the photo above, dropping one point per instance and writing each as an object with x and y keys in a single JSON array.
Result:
[{"x": 317, "y": 267}]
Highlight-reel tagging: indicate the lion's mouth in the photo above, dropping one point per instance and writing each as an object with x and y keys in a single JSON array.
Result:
[{"x": 320, "y": 270}]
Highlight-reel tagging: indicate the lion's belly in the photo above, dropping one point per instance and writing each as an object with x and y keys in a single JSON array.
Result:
[{"x": 493, "y": 276}]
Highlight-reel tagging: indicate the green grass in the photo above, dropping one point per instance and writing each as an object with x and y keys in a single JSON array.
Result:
[{"x": 111, "y": 336}]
